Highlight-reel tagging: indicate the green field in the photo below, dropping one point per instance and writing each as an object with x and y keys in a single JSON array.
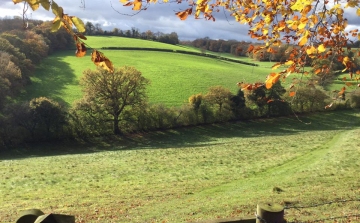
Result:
[
  {"x": 192, "y": 174},
  {"x": 174, "y": 77},
  {"x": 113, "y": 41}
]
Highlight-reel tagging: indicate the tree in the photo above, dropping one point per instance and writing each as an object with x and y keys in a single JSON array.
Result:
[
  {"x": 219, "y": 96},
  {"x": 10, "y": 78},
  {"x": 90, "y": 28},
  {"x": 110, "y": 94}
]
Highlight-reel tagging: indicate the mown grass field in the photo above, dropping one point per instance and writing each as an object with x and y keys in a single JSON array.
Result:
[
  {"x": 174, "y": 77},
  {"x": 192, "y": 174}
]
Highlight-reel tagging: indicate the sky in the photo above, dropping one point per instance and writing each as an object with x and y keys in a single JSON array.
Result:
[{"x": 157, "y": 18}]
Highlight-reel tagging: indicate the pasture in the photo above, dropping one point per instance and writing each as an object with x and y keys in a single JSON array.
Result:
[
  {"x": 174, "y": 77},
  {"x": 192, "y": 174}
]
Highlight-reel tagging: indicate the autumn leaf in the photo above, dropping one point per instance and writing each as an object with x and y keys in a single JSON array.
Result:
[
  {"x": 102, "y": 61},
  {"x": 303, "y": 40},
  {"x": 292, "y": 93},
  {"x": 45, "y": 4},
  {"x": 58, "y": 11},
  {"x": 321, "y": 48},
  {"x": 184, "y": 14},
  {"x": 80, "y": 50},
  {"x": 272, "y": 79},
  {"x": 342, "y": 91},
  {"x": 348, "y": 84},
  {"x": 137, "y": 5},
  {"x": 275, "y": 66},
  {"x": 56, "y": 24}
]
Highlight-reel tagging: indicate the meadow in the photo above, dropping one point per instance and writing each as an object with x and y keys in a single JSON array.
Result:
[
  {"x": 174, "y": 77},
  {"x": 192, "y": 174}
]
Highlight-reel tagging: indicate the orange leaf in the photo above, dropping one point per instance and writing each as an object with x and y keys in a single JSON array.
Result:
[
  {"x": 292, "y": 93},
  {"x": 250, "y": 49},
  {"x": 344, "y": 79},
  {"x": 342, "y": 91},
  {"x": 317, "y": 71},
  {"x": 80, "y": 50},
  {"x": 272, "y": 79},
  {"x": 102, "y": 61},
  {"x": 349, "y": 84},
  {"x": 182, "y": 15}
]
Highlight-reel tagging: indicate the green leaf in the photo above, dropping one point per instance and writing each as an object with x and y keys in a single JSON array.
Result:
[{"x": 79, "y": 24}]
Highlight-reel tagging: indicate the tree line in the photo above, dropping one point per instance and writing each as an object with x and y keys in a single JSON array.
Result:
[{"x": 171, "y": 38}]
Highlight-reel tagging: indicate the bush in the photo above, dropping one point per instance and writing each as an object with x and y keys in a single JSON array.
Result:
[{"x": 355, "y": 99}]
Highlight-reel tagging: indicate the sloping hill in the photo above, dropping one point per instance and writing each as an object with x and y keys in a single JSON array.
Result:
[{"x": 174, "y": 77}]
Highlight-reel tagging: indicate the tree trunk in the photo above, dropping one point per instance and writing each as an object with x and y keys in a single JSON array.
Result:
[{"x": 116, "y": 128}]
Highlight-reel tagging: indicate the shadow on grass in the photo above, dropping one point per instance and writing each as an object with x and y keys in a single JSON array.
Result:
[
  {"x": 197, "y": 136},
  {"x": 50, "y": 78}
]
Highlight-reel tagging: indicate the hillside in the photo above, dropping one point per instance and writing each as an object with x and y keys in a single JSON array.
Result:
[{"x": 174, "y": 76}]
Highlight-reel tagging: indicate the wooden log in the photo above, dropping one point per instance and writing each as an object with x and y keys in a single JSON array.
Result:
[{"x": 270, "y": 213}]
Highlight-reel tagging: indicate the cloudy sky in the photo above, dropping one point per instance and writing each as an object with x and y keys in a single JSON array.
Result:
[{"x": 158, "y": 17}]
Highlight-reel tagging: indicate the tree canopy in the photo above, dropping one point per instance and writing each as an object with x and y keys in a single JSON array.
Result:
[{"x": 317, "y": 29}]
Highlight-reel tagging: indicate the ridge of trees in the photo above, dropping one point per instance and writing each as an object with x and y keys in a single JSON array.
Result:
[{"x": 93, "y": 30}]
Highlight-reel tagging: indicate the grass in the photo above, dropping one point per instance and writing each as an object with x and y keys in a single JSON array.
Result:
[
  {"x": 178, "y": 75},
  {"x": 192, "y": 174},
  {"x": 114, "y": 41}
]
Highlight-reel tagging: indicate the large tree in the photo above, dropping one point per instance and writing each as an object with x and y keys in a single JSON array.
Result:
[{"x": 110, "y": 94}]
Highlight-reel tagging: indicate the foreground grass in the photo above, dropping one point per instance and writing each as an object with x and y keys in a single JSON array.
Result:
[
  {"x": 192, "y": 174},
  {"x": 174, "y": 77}
]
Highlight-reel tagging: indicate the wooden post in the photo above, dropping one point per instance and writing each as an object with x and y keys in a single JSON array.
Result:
[{"x": 270, "y": 213}]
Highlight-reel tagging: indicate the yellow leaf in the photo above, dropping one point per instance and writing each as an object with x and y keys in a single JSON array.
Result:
[
  {"x": 289, "y": 62},
  {"x": 34, "y": 4},
  {"x": 79, "y": 24},
  {"x": 45, "y": 4},
  {"x": 17, "y": 1},
  {"x": 321, "y": 48},
  {"x": 358, "y": 12},
  {"x": 123, "y": 1},
  {"x": 303, "y": 40},
  {"x": 56, "y": 24},
  {"x": 310, "y": 50},
  {"x": 58, "y": 11},
  {"x": 137, "y": 5},
  {"x": 275, "y": 66}
]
